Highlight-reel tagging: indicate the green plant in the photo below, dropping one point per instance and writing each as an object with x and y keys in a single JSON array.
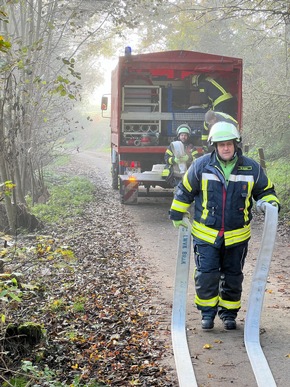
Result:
[
  {"x": 6, "y": 187},
  {"x": 278, "y": 170},
  {"x": 34, "y": 376},
  {"x": 17, "y": 381},
  {"x": 57, "y": 305},
  {"x": 78, "y": 306},
  {"x": 68, "y": 196},
  {"x": 279, "y": 173},
  {"x": 61, "y": 160},
  {"x": 9, "y": 292},
  {"x": 9, "y": 289}
]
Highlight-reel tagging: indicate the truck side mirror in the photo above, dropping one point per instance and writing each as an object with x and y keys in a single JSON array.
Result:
[{"x": 104, "y": 104}]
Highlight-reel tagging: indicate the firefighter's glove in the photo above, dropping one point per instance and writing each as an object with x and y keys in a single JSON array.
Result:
[
  {"x": 165, "y": 173},
  {"x": 194, "y": 154},
  {"x": 178, "y": 223},
  {"x": 183, "y": 159},
  {"x": 260, "y": 206}
]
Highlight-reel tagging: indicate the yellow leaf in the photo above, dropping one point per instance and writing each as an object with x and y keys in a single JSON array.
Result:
[
  {"x": 207, "y": 346},
  {"x": 3, "y": 252},
  {"x": 76, "y": 366},
  {"x": 288, "y": 355},
  {"x": 135, "y": 382}
]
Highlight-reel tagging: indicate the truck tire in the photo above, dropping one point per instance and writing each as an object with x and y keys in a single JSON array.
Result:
[{"x": 115, "y": 176}]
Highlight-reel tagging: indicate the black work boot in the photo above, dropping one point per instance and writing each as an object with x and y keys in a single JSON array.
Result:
[
  {"x": 207, "y": 322},
  {"x": 228, "y": 317},
  {"x": 229, "y": 323}
]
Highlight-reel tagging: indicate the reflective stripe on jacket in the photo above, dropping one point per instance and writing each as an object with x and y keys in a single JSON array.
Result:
[
  {"x": 214, "y": 91},
  {"x": 221, "y": 210}
]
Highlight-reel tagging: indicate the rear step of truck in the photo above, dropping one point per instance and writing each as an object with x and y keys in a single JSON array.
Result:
[{"x": 148, "y": 183}]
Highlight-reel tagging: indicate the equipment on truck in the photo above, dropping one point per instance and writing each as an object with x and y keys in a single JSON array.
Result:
[{"x": 151, "y": 96}]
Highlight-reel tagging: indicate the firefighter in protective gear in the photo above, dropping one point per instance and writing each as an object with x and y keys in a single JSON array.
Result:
[
  {"x": 222, "y": 186},
  {"x": 211, "y": 117},
  {"x": 217, "y": 97},
  {"x": 170, "y": 172}
]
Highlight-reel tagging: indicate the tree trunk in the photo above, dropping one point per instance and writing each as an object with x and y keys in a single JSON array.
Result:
[{"x": 10, "y": 208}]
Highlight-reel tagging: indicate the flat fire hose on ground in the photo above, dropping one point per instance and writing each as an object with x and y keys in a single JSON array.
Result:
[
  {"x": 184, "y": 368},
  {"x": 258, "y": 361}
]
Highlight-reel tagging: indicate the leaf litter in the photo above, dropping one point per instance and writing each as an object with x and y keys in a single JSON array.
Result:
[{"x": 89, "y": 288}]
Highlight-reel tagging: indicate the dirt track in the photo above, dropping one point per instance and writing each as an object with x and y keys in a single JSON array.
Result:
[{"x": 226, "y": 362}]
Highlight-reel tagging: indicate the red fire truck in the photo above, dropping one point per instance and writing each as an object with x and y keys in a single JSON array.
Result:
[{"x": 151, "y": 95}]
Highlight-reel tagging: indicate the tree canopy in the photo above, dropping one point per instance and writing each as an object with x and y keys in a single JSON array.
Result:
[{"x": 42, "y": 43}]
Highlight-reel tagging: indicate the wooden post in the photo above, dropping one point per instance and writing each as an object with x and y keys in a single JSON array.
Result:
[{"x": 262, "y": 158}]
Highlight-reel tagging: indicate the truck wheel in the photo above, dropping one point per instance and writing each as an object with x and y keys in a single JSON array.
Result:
[{"x": 115, "y": 176}]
